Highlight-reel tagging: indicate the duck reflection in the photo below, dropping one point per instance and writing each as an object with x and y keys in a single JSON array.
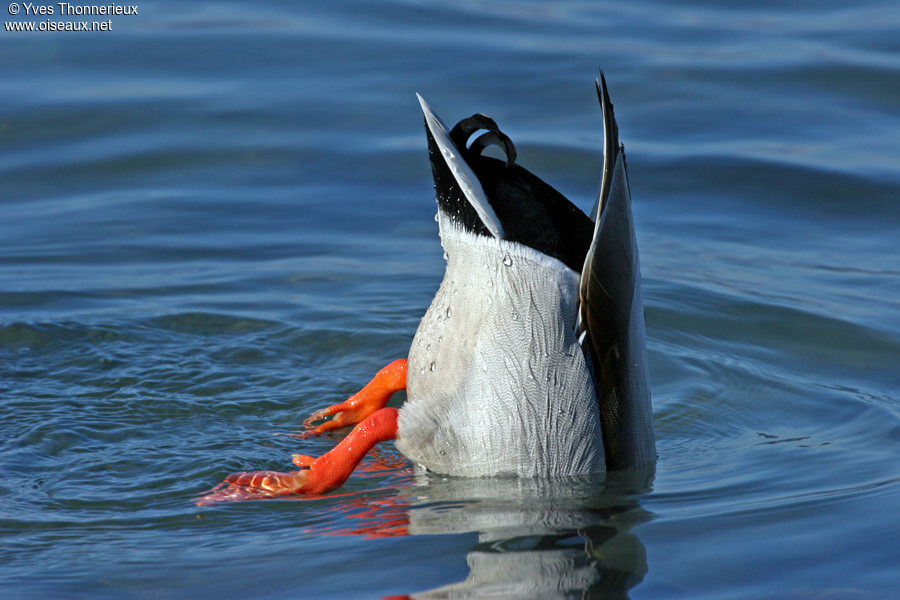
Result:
[{"x": 537, "y": 538}]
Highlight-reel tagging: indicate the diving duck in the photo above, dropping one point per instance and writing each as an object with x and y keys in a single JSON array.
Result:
[{"x": 531, "y": 360}]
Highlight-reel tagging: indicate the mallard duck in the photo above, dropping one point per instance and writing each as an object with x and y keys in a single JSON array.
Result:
[{"x": 531, "y": 360}]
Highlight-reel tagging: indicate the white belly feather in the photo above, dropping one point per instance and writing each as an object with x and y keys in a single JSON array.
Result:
[{"x": 496, "y": 381}]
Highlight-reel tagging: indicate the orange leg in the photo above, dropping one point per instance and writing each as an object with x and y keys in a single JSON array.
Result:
[
  {"x": 363, "y": 403},
  {"x": 323, "y": 474}
]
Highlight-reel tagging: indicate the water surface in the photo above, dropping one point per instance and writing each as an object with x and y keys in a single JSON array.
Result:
[{"x": 218, "y": 217}]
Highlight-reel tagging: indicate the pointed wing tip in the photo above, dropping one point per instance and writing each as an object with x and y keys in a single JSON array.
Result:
[
  {"x": 430, "y": 115},
  {"x": 600, "y": 79},
  {"x": 432, "y": 121},
  {"x": 461, "y": 171},
  {"x": 602, "y": 90}
]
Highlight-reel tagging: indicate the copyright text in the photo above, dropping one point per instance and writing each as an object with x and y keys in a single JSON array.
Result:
[{"x": 66, "y": 9}]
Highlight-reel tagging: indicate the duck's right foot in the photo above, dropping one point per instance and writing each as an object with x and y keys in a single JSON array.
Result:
[{"x": 356, "y": 408}]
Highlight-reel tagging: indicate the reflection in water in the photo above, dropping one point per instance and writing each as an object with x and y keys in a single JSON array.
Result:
[{"x": 538, "y": 538}]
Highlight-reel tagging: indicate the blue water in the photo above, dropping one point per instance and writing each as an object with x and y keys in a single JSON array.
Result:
[{"x": 218, "y": 217}]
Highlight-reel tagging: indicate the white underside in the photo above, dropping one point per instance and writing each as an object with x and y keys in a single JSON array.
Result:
[{"x": 496, "y": 381}]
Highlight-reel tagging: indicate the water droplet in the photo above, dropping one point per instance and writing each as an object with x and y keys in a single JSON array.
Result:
[
  {"x": 447, "y": 312},
  {"x": 446, "y": 256},
  {"x": 431, "y": 366},
  {"x": 435, "y": 217},
  {"x": 515, "y": 316},
  {"x": 455, "y": 292},
  {"x": 442, "y": 452},
  {"x": 507, "y": 260},
  {"x": 440, "y": 339}
]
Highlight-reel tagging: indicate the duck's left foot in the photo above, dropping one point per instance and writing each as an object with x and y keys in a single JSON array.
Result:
[
  {"x": 256, "y": 485},
  {"x": 356, "y": 408},
  {"x": 322, "y": 474}
]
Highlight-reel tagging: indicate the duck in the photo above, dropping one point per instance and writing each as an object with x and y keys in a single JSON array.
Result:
[{"x": 531, "y": 359}]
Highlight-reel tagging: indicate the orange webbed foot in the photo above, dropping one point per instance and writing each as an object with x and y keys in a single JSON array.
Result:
[
  {"x": 356, "y": 408},
  {"x": 349, "y": 412},
  {"x": 255, "y": 485},
  {"x": 321, "y": 474}
]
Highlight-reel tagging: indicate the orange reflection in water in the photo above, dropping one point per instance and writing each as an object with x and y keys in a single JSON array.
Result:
[{"x": 373, "y": 517}]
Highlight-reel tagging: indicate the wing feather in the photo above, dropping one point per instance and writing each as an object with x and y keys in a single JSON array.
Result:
[{"x": 611, "y": 312}]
